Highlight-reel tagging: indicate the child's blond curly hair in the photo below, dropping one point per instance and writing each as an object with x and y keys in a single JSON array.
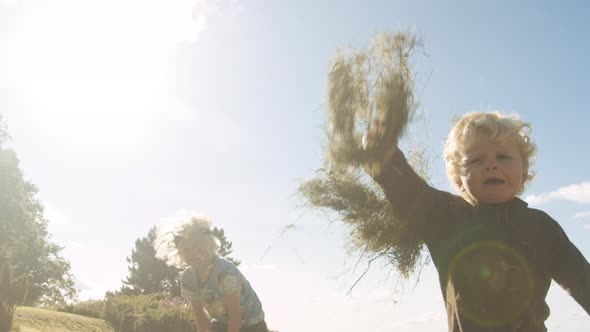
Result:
[
  {"x": 496, "y": 126},
  {"x": 195, "y": 228}
]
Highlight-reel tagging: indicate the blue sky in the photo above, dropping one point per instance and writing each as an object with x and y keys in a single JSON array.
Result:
[{"x": 125, "y": 113}]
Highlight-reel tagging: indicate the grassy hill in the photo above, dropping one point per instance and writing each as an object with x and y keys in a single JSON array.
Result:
[{"x": 27, "y": 319}]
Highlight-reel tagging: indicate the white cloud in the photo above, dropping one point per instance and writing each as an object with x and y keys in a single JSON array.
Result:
[
  {"x": 181, "y": 214},
  {"x": 89, "y": 289},
  {"x": 236, "y": 5},
  {"x": 54, "y": 216},
  {"x": 9, "y": 2},
  {"x": 413, "y": 321},
  {"x": 268, "y": 267},
  {"x": 584, "y": 214},
  {"x": 536, "y": 199},
  {"x": 76, "y": 244},
  {"x": 83, "y": 285},
  {"x": 579, "y": 193}
]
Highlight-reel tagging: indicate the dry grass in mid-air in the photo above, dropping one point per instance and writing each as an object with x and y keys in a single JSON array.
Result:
[
  {"x": 369, "y": 91},
  {"x": 373, "y": 86}
]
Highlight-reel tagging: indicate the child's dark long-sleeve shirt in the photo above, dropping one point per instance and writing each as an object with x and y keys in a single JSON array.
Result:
[{"x": 495, "y": 263}]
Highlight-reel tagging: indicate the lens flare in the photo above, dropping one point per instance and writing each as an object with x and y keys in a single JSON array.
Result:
[{"x": 492, "y": 283}]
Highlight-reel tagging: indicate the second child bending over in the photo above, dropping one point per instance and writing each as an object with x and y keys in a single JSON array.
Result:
[{"x": 221, "y": 297}]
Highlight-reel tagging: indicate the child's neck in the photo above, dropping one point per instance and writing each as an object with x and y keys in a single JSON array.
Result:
[
  {"x": 484, "y": 204},
  {"x": 203, "y": 270}
]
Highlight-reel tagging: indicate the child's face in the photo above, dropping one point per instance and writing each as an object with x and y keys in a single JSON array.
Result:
[
  {"x": 492, "y": 172},
  {"x": 194, "y": 252}
]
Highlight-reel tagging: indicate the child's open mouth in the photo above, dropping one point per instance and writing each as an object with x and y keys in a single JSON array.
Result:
[{"x": 494, "y": 181}]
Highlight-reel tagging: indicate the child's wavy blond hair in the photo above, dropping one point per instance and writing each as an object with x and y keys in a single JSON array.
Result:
[
  {"x": 194, "y": 228},
  {"x": 499, "y": 128}
]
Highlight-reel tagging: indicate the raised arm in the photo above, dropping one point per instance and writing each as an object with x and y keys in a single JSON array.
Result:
[
  {"x": 203, "y": 320},
  {"x": 413, "y": 201},
  {"x": 568, "y": 267},
  {"x": 231, "y": 302}
]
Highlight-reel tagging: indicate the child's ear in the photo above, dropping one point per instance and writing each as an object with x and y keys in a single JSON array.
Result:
[{"x": 525, "y": 175}]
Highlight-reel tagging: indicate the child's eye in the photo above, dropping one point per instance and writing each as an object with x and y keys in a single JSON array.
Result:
[
  {"x": 503, "y": 156},
  {"x": 473, "y": 161}
]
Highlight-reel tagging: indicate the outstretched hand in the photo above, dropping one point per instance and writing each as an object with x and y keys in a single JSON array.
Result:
[
  {"x": 377, "y": 135},
  {"x": 373, "y": 86}
]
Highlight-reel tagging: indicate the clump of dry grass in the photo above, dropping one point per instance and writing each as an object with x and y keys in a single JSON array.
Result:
[
  {"x": 366, "y": 212},
  {"x": 370, "y": 87}
]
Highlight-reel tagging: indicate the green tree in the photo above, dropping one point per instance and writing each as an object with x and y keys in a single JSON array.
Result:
[
  {"x": 24, "y": 239},
  {"x": 225, "y": 248},
  {"x": 4, "y": 136},
  {"x": 149, "y": 274},
  {"x": 12, "y": 293}
]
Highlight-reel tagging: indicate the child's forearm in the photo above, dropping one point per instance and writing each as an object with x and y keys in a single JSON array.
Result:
[
  {"x": 203, "y": 320},
  {"x": 402, "y": 186},
  {"x": 203, "y": 326},
  {"x": 570, "y": 268},
  {"x": 413, "y": 201},
  {"x": 578, "y": 286},
  {"x": 233, "y": 325}
]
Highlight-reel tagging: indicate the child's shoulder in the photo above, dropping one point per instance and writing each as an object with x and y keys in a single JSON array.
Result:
[
  {"x": 534, "y": 214},
  {"x": 539, "y": 221},
  {"x": 223, "y": 265}
]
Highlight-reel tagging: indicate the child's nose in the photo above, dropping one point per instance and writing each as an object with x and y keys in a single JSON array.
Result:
[{"x": 492, "y": 164}]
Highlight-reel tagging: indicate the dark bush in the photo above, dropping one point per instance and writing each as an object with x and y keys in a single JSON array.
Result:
[
  {"x": 148, "y": 313},
  {"x": 90, "y": 308}
]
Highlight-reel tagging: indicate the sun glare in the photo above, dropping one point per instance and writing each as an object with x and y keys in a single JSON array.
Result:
[{"x": 100, "y": 70}]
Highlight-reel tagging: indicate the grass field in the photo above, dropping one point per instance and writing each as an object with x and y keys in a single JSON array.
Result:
[{"x": 27, "y": 319}]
